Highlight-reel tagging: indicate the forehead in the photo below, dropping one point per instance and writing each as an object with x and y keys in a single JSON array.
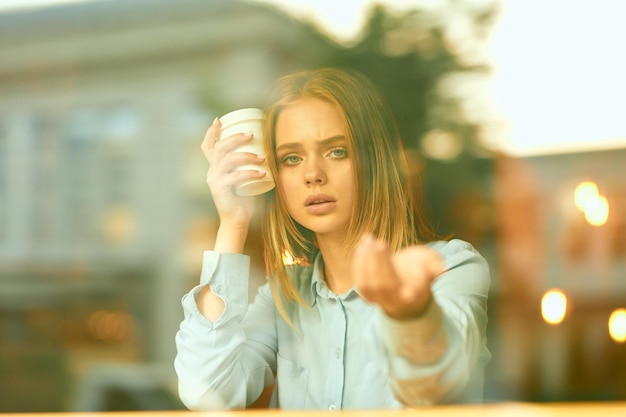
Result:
[{"x": 309, "y": 118}]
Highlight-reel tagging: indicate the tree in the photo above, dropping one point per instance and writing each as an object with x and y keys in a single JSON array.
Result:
[{"x": 423, "y": 60}]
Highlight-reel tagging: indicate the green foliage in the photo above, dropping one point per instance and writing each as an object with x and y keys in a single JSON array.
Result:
[{"x": 408, "y": 56}]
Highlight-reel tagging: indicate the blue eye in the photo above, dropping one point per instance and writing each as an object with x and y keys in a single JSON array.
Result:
[
  {"x": 288, "y": 160},
  {"x": 338, "y": 153}
]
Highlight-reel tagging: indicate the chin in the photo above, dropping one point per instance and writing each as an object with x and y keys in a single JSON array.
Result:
[{"x": 327, "y": 229}]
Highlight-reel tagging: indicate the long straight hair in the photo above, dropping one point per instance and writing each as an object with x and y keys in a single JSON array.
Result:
[{"x": 387, "y": 195}]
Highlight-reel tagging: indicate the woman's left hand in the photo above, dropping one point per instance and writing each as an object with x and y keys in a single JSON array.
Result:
[{"x": 399, "y": 283}]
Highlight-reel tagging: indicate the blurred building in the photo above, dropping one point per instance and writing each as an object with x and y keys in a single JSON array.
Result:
[
  {"x": 104, "y": 210},
  {"x": 560, "y": 278}
]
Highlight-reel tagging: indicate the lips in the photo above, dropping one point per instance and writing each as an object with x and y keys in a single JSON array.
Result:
[
  {"x": 320, "y": 204},
  {"x": 317, "y": 199}
]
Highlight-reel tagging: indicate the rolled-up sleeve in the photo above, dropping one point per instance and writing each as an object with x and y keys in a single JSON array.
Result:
[
  {"x": 215, "y": 368},
  {"x": 440, "y": 356}
]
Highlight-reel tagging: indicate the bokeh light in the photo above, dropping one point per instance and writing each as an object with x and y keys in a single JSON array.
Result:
[
  {"x": 441, "y": 145},
  {"x": 597, "y": 211},
  {"x": 553, "y": 306},
  {"x": 111, "y": 326},
  {"x": 617, "y": 325},
  {"x": 119, "y": 225},
  {"x": 594, "y": 206},
  {"x": 584, "y": 192}
]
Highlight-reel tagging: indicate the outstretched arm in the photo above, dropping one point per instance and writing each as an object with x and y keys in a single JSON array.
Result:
[{"x": 430, "y": 336}]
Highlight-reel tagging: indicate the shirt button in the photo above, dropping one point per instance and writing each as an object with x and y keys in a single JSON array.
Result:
[
  {"x": 332, "y": 407},
  {"x": 338, "y": 353}
]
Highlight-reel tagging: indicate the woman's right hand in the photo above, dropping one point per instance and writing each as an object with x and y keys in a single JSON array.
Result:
[{"x": 223, "y": 177}]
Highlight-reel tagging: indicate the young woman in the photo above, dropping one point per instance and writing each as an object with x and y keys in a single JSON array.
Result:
[{"x": 372, "y": 314}]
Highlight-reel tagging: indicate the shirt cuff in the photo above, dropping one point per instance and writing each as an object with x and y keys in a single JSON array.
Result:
[
  {"x": 422, "y": 340},
  {"x": 224, "y": 268},
  {"x": 424, "y": 347},
  {"x": 228, "y": 275}
]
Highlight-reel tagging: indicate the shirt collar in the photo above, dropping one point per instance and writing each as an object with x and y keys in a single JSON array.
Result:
[
  {"x": 318, "y": 287},
  {"x": 309, "y": 293}
]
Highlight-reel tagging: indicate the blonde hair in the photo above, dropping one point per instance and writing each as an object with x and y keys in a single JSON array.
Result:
[{"x": 387, "y": 201}]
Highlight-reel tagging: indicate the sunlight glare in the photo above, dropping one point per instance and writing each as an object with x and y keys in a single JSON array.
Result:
[{"x": 287, "y": 258}]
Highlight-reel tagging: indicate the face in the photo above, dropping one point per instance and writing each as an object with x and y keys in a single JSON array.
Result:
[{"x": 314, "y": 167}]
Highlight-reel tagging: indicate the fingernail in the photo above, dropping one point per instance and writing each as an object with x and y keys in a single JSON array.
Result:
[{"x": 217, "y": 119}]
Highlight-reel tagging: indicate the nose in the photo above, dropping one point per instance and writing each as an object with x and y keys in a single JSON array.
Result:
[
  {"x": 311, "y": 181},
  {"x": 314, "y": 175}
]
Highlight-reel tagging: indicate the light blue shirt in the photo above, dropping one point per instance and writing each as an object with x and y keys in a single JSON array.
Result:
[{"x": 343, "y": 352}]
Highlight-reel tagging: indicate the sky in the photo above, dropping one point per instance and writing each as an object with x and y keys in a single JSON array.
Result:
[
  {"x": 558, "y": 83},
  {"x": 559, "y": 76}
]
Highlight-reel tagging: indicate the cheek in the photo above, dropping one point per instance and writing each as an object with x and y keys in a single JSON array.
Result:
[
  {"x": 350, "y": 190},
  {"x": 348, "y": 180}
]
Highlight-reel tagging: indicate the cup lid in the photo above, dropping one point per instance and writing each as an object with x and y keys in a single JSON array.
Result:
[{"x": 241, "y": 114}]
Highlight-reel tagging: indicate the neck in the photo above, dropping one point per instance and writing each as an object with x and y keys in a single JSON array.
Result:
[{"x": 337, "y": 268}]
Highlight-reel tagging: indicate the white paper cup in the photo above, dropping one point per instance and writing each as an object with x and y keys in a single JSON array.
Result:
[{"x": 243, "y": 121}]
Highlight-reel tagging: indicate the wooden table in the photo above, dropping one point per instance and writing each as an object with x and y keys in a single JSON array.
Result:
[{"x": 600, "y": 409}]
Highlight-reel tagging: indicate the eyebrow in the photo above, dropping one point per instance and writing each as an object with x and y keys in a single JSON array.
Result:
[{"x": 327, "y": 141}]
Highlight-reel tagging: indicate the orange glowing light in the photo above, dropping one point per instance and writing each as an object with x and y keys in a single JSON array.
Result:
[
  {"x": 584, "y": 192},
  {"x": 597, "y": 211},
  {"x": 588, "y": 200},
  {"x": 553, "y": 306},
  {"x": 617, "y": 325},
  {"x": 288, "y": 258}
]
